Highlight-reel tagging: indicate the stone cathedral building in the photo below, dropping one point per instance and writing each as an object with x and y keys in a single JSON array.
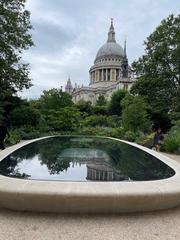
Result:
[{"x": 109, "y": 72}]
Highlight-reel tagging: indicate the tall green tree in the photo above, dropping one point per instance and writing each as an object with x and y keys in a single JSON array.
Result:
[
  {"x": 115, "y": 102},
  {"x": 15, "y": 37},
  {"x": 158, "y": 70},
  {"x": 55, "y": 99},
  {"x": 134, "y": 114}
]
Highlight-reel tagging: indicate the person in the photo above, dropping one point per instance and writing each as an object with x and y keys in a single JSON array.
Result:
[
  {"x": 157, "y": 140},
  {"x": 3, "y": 134}
]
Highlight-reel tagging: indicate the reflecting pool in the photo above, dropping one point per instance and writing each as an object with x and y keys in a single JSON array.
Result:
[{"x": 80, "y": 158}]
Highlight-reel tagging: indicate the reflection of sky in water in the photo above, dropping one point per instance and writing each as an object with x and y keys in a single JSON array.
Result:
[{"x": 34, "y": 168}]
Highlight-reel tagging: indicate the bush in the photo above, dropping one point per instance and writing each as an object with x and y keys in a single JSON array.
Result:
[
  {"x": 64, "y": 119},
  {"x": 134, "y": 115},
  {"x": 95, "y": 120},
  {"x": 28, "y": 133},
  {"x": 172, "y": 141},
  {"x": 14, "y": 137},
  {"x": 101, "y": 131},
  {"x": 25, "y": 115},
  {"x": 146, "y": 140}
]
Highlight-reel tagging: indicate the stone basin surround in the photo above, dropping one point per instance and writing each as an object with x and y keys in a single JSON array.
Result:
[{"x": 90, "y": 197}]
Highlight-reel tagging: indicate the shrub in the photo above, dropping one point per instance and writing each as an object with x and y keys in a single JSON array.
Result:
[
  {"x": 14, "y": 137},
  {"x": 25, "y": 115},
  {"x": 64, "y": 119},
  {"x": 134, "y": 115},
  {"x": 145, "y": 140},
  {"x": 172, "y": 141}
]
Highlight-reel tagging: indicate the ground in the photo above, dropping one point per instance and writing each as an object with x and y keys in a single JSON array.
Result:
[{"x": 163, "y": 225}]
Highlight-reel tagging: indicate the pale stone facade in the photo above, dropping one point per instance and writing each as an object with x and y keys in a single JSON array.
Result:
[{"x": 109, "y": 72}]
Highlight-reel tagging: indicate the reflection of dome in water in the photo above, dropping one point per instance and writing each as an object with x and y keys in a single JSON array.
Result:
[{"x": 104, "y": 172}]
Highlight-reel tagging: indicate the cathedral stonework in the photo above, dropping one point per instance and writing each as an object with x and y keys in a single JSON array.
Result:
[{"x": 109, "y": 72}]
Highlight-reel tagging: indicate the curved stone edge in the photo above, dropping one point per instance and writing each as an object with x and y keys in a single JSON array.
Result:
[{"x": 90, "y": 197}]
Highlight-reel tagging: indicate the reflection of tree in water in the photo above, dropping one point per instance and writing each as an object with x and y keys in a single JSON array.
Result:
[
  {"x": 49, "y": 155},
  {"x": 50, "y": 152},
  {"x": 8, "y": 168}
]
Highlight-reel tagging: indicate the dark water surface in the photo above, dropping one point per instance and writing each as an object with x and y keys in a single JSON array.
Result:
[{"x": 72, "y": 158}]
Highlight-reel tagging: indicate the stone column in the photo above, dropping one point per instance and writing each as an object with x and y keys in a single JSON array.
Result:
[
  {"x": 102, "y": 75},
  {"x": 98, "y": 73},
  {"x": 113, "y": 75},
  {"x": 106, "y": 74},
  {"x": 91, "y": 77}
]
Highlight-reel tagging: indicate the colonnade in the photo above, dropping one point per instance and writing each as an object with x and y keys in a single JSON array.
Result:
[{"x": 105, "y": 74}]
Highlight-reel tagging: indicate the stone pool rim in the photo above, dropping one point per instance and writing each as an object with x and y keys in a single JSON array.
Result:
[{"x": 90, "y": 197}]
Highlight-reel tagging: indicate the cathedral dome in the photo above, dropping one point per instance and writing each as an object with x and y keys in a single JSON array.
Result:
[{"x": 110, "y": 49}]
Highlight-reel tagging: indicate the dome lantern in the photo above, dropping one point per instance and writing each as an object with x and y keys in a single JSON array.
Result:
[{"x": 111, "y": 33}]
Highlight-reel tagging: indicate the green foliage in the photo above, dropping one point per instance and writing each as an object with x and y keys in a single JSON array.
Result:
[
  {"x": 114, "y": 107},
  {"x": 134, "y": 114},
  {"x": 172, "y": 141},
  {"x": 101, "y": 131},
  {"x": 132, "y": 136},
  {"x": 101, "y": 120},
  {"x": 101, "y": 101},
  {"x": 28, "y": 132},
  {"x": 15, "y": 37},
  {"x": 145, "y": 140},
  {"x": 55, "y": 99},
  {"x": 85, "y": 107},
  {"x": 14, "y": 138},
  {"x": 64, "y": 119},
  {"x": 25, "y": 115},
  {"x": 158, "y": 70},
  {"x": 94, "y": 120},
  {"x": 100, "y": 110}
]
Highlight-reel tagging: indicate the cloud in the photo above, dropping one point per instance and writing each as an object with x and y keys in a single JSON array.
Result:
[{"x": 69, "y": 33}]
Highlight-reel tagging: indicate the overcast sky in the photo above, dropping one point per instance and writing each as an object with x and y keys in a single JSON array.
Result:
[{"x": 68, "y": 33}]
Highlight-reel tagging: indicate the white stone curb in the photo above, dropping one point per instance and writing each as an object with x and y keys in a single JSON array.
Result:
[{"x": 90, "y": 197}]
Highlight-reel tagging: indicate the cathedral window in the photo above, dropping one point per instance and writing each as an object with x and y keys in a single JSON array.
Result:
[
  {"x": 100, "y": 75},
  {"x": 104, "y": 74},
  {"x": 108, "y": 74}
]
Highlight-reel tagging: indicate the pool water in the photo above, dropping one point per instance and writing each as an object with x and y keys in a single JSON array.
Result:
[{"x": 80, "y": 158}]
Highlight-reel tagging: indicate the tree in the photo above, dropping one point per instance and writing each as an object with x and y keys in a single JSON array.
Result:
[
  {"x": 85, "y": 107},
  {"x": 55, "y": 99},
  {"x": 25, "y": 115},
  {"x": 64, "y": 119},
  {"x": 158, "y": 70},
  {"x": 101, "y": 101},
  {"x": 114, "y": 105},
  {"x": 134, "y": 114},
  {"x": 14, "y": 39},
  {"x": 100, "y": 107}
]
